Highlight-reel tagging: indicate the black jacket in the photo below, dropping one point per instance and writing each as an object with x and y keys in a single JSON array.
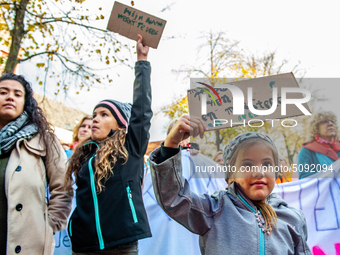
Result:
[{"x": 117, "y": 214}]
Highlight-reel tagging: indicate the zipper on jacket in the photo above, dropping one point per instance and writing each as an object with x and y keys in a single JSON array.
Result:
[
  {"x": 261, "y": 233},
  {"x": 96, "y": 208},
  {"x": 70, "y": 228},
  {"x": 133, "y": 210}
]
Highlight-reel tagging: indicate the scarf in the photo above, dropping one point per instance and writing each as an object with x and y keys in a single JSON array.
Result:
[
  {"x": 326, "y": 144},
  {"x": 15, "y": 130}
]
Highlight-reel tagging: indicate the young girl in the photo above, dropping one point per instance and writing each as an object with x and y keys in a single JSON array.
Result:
[
  {"x": 244, "y": 219},
  {"x": 110, "y": 215}
]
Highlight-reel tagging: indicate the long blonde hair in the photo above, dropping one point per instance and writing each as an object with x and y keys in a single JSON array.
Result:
[
  {"x": 111, "y": 149},
  {"x": 267, "y": 210}
]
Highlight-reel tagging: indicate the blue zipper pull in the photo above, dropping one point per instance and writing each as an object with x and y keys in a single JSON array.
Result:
[{"x": 132, "y": 206}]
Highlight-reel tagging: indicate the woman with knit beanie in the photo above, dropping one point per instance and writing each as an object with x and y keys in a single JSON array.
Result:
[{"x": 110, "y": 215}]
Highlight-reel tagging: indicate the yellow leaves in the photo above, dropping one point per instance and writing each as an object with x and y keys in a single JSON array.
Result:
[
  {"x": 132, "y": 3},
  {"x": 31, "y": 28},
  {"x": 7, "y": 7},
  {"x": 48, "y": 46},
  {"x": 100, "y": 8},
  {"x": 102, "y": 17},
  {"x": 178, "y": 108},
  {"x": 98, "y": 51},
  {"x": 40, "y": 83},
  {"x": 40, "y": 65},
  {"x": 244, "y": 71},
  {"x": 107, "y": 62}
]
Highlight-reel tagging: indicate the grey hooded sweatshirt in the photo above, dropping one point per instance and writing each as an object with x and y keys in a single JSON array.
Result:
[{"x": 225, "y": 221}]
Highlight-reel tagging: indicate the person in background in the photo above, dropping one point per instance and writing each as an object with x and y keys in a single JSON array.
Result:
[
  {"x": 31, "y": 158},
  {"x": 81, "y": 131},
  {"x": 218, "y": 157},
  {"x": 67, "y": 149},
  {"x": 285, "y": 174},
  {"x": 322, "y": 147}
]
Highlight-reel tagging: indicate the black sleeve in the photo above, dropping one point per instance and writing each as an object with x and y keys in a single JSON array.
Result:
[
  {"x": 167, "y": 152},
  {"x": 140, "y": 121}
]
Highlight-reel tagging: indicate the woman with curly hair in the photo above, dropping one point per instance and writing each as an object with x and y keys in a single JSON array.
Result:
[
  {"x": 31, "y": 158},
  {"x": 110, "y": 217},
  {"x": 322, "y": 147}
]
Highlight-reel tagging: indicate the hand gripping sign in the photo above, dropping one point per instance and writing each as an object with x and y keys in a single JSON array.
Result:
[{"x": 248, "y": 102}]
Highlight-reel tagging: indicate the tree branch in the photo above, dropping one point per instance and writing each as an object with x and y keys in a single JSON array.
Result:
[
  {"x": 2, "y": 4},
  {"x": 61, "y": 58},
  {"x": 68, "y": 22}
]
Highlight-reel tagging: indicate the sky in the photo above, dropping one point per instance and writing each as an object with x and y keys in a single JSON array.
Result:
[{"x": 299, "y": 31}]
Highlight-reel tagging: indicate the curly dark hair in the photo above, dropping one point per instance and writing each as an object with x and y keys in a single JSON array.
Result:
[{"x": 35, "y": 113}]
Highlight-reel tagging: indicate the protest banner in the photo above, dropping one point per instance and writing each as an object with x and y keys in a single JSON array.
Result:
[
  {"x": 130, "y": 22},
  {"x": 318, "y": 198},
  {"x": 247, "y": 102}
]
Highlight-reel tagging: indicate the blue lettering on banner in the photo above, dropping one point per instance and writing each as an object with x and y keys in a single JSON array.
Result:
[{"x": 325, "y": 208}]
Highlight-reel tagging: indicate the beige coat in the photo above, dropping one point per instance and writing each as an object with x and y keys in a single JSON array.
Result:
[{"x": 30, "y": 221}]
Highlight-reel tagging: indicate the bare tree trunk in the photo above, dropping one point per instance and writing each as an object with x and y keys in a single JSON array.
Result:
[{"x": 17, "y": 33}]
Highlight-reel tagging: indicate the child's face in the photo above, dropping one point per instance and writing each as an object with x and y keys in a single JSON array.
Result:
[
  {"x": 257, "y": 183},
  {"x": 103, "y": 122}
]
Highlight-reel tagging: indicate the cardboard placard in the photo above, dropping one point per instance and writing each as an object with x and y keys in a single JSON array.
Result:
[
  {"x": 219, "y": 110},
  {"x": 130, "y": 22}
]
